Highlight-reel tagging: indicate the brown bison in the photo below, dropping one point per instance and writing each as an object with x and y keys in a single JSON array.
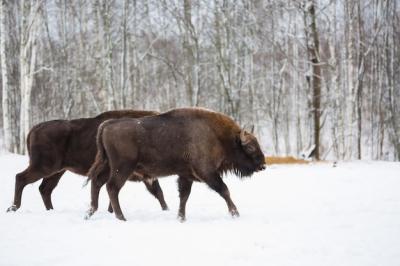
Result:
[
  {"x": 60, "y": 145},
  {"x": 195, "y": 144}
]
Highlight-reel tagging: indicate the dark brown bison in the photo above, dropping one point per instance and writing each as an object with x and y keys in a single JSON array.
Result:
[
  {"x": 195, "y": 144},
  {"x": 60, "y": 145}
]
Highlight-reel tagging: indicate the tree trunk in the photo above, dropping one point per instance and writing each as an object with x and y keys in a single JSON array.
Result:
[
  {"x": 8, "y": 88},
  {"x": 30, "y": 12},
  {"x": 313, "y": 49}
]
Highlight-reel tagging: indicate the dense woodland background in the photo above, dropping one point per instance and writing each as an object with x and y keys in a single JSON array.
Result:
[{"x": 303, "y": 72}]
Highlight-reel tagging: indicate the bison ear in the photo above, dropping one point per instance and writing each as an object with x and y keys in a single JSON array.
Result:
[{"x": 244, "y": 137}]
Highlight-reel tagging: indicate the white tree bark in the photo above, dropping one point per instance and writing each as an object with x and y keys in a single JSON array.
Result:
[
  {"x": 30, "y": 11},
  {"x": 6, "y": 87},
  {"x": 124, "y": 32}
]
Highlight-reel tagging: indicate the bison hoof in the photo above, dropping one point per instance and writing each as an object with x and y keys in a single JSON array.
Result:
[
  {"x": 234, "y": 213},
  {"x": 181, "y": 217},
  {"x": 12, "y": 208},
  {"x": 120, "y": 217},
  {"x": 165, "y": 208}
]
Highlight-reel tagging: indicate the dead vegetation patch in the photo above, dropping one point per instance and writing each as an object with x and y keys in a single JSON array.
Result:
[{"x": 284, "y": 160}]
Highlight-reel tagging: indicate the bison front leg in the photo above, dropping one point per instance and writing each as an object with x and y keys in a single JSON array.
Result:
[
  {"x": 215, "y": 182},
  {"x": 184, "y": 187}
]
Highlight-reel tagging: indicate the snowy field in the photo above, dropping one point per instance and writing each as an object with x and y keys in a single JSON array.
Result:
[{"x": 290, "y": 215}]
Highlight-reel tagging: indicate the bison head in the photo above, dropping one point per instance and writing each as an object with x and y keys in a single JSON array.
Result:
[{"x": 254, "y": 158}]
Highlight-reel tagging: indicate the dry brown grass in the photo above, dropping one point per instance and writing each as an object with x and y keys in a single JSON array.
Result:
[{"x": 284, "y": 160}]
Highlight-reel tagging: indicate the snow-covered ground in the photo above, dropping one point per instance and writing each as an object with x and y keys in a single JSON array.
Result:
[{"x": 290, "y": 215}]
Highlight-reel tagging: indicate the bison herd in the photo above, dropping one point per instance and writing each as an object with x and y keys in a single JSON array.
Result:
[{"x": 193, "y": 143}]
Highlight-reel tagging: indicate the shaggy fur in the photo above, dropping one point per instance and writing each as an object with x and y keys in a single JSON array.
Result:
[{"x": 195, "y": 144}]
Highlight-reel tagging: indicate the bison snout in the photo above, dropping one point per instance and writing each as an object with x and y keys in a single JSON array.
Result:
[{"x": 262, "y": 167}]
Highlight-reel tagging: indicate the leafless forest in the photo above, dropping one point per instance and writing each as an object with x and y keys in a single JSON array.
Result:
[{"x": 303, "y": 72}]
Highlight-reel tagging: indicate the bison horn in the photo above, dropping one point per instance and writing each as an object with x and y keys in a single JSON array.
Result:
[
  {"x": 252, "y": 129},
  {"x": 244, "y": 137},
  {"x": 249, "y": 128}
]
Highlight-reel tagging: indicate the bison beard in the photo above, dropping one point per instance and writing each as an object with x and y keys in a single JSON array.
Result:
[
  {"x": 60, "y": 145},
  {"x": 195, "y": 144}
]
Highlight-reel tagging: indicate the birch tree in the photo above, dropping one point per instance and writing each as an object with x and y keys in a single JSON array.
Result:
[
  {"x": 303, "y": 72},
  {"x": 190, "y": 46},
  {"x": 315, "y": 78},
  {"x": 30, "y": 21},
  {"x": 8, "y": 71}
]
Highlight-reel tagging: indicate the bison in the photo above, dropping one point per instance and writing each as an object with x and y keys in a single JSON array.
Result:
[
  {"x": 195, "y": 144},
  {"x": 60, "y": 145}
]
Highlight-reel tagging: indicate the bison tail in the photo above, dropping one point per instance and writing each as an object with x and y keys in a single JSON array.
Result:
[
  {"x": 101, "y": 161},
  {"x": 28, "y": 143}
]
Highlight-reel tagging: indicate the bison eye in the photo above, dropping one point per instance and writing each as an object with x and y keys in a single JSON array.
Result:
[{"x": 250, "y": 148}]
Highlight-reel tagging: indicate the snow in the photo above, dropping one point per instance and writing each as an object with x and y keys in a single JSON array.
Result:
[{"x": 290, "y": 215}]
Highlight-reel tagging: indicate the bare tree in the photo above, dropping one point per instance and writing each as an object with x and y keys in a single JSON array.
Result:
[
  {"x": 8, "y": 71},
  {"x": 30, "y": 21},
  {"x": 302, "y": 72},
  {"x": 315, "y": 77}
]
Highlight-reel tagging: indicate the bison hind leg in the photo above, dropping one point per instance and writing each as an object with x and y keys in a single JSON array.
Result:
[
  {"x": 117, "y": 180},
  {"x": 153, "y": 186},
  {"x": 110, "y": 209},
  {"x": 47, "y": 186},
  {"x": 28, "y": 176},
  {"x": 96, "y": 183},
  {"x": 113, "y": 189}
]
